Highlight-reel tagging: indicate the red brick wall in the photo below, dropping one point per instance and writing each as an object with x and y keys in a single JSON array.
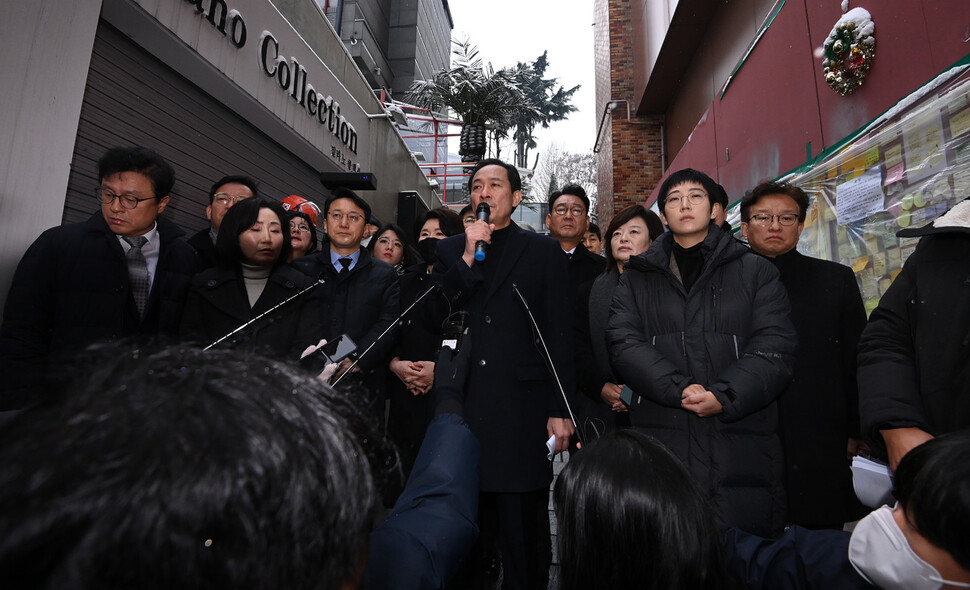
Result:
[
  {"x": 630, "y": 161},
  {"x": 604, "y": 159}
]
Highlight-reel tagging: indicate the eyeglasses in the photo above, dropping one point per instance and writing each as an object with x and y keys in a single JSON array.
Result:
[
  {"x": 128, "y": 200},
  {"x": 562, "y": 210},
  {"x": 389, "y": 242},
  {"x": 468, "y": 220},
  {"x": 785, "y": 219},
  {"x": 225, "y": 199},
  {"x": 352, "y": 218},
  {"x": 299, "y": 227},
  {"x": 692, "y": 198}
]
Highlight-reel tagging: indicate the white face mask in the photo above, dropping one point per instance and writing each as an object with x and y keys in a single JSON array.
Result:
[{"x": 878, "y": 550}]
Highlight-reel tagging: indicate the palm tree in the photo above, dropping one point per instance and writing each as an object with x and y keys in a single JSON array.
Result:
[
  {"x": 477, "y": 94},
  {"x": 548, "y": 104}
]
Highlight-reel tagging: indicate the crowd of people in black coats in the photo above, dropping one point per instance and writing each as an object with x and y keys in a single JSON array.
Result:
[{"x": 723, "y": 374}]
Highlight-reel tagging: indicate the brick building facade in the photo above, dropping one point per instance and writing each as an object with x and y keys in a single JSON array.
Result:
[
  {"x": 630, "y": 149},
  {"x": 736, "y": 89}
]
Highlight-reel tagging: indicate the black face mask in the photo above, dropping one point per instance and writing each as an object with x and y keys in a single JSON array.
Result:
[{"x": 426, "y": 249}]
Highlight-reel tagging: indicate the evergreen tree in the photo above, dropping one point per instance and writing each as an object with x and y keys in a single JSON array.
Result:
[
  {"x": 548, "y": 103},
  {"x": 477, "y": 94},
  {"x": 553, "y": 185}
]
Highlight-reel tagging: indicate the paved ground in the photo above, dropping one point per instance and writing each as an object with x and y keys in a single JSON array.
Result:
[{"x": 558, "y": 463}]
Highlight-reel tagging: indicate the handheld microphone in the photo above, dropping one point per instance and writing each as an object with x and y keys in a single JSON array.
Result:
[{"x": 482, "y": 213}]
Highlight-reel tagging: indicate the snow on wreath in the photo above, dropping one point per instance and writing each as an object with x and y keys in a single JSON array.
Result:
[{"x": 849, "y": 50}]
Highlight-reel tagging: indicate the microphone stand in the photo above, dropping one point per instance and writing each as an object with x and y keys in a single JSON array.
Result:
[
  {"x": 261, "y": 316},
  {"x": 394, "y": 324},
  {"x": 552, "y": 365}
]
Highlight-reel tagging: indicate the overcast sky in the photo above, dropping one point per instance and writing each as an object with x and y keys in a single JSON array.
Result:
[{"x": 509, "y": 31}]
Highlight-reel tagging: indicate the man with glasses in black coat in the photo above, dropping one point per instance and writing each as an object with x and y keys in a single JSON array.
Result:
[{"x": 124, "y": 272}]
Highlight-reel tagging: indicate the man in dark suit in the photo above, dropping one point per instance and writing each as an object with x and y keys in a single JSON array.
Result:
[
  {"x": 226, "y": 192},
  {"x": 819, "y": 412},
  {"x": 359, "y": 295},
  {"x": 513, "y": 403},
  {"x": 123, "y": 272},
  {"x": 567, "y": 220}
]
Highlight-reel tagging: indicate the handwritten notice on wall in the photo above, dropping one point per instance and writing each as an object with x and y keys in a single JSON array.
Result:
[
  {"x": 860, "y": 197},
  {"x": 924, "y": 148}
]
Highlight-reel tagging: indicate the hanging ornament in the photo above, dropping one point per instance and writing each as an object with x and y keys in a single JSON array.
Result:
[{"x": 849, "y": 50}]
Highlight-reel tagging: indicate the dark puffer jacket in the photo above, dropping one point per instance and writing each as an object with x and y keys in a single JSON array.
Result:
[
  {"x": 731, "y": 334},
  {"x": 914, "y": 355}
]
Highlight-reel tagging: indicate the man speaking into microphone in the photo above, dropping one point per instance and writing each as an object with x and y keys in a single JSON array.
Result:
[{"x": 513, "y": 404}]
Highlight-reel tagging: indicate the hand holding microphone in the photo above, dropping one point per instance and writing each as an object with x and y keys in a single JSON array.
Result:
[
  {"x": 477, "y": 236},
  {"x": 482, "y": 214}
]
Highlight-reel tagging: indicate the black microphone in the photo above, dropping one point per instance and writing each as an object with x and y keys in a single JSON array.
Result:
[{"x": 482, "y": 213}]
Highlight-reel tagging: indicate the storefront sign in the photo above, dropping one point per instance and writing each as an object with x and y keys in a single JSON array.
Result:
[
  {"x": 308, "y": 96},
  {"x": 292, "y": 76},
  {"x": 218, "y": 9}
]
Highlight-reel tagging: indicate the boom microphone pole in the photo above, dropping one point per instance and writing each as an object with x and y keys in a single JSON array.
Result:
[
  {"x": 552, "y": 365},
  {"x": 394, "y": 324},
  {"x": 262, "y": 315}
]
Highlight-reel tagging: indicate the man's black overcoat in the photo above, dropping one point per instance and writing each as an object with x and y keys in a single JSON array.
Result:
[
  {"x": 510, "y": 391},
  {"x": 71, "y": 289},
  {"x": 819, "y": 410}
]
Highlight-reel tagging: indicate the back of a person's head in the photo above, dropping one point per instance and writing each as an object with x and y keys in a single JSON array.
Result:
[
  {"x": 629, "y": 516},
  {"x": 933, "y": 484},
  {"x": 177, "y": 468}
]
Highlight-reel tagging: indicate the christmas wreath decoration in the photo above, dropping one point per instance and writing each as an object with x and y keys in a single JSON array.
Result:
[{"x": 849, "y": 50}]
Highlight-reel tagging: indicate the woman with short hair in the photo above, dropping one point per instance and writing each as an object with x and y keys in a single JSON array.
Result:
[
  {"x": 699, "y": 329},
  {"x": 252, "y": 277},
  {"x": 630, "y": 233}
]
